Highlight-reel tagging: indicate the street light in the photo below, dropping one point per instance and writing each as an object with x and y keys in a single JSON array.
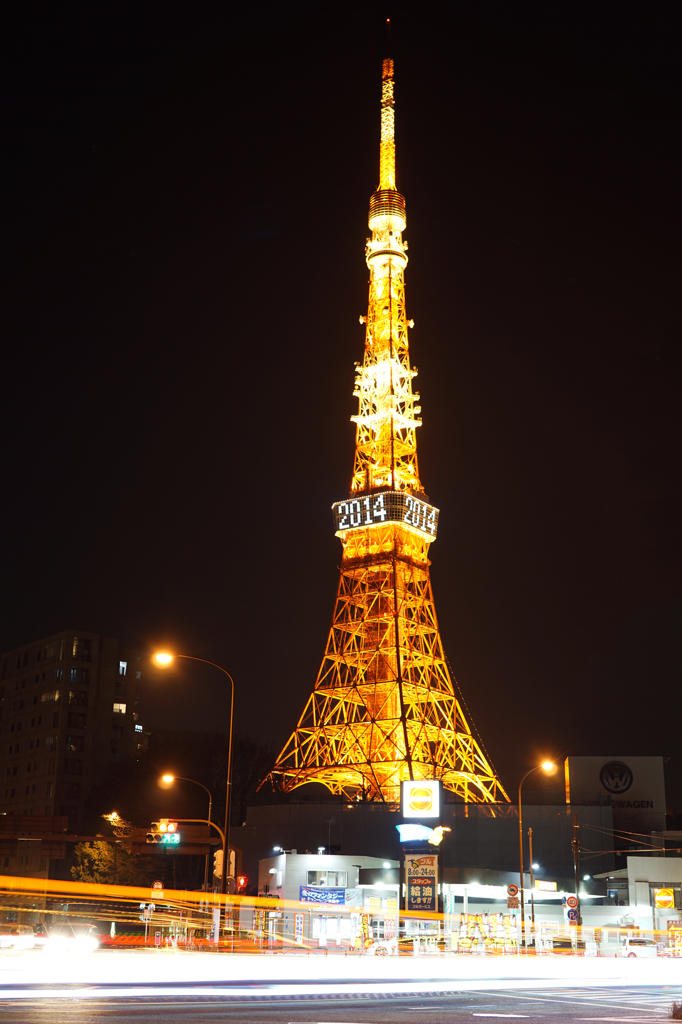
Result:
[
  {"x": 550, "y": 768},
  {"x": 169, "y": 780},
  {"x": 164, "y": 659}
]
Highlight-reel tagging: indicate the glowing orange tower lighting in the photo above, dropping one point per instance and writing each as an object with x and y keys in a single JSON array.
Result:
[{"x": 384, "y": 707}]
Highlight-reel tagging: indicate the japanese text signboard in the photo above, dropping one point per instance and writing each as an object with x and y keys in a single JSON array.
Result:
[
  {"x": 321, "y": 894},
  {"x": 421, "y": 881}
]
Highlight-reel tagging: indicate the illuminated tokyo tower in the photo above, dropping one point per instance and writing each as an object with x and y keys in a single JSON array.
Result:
[{"x": 384, "y": 707}]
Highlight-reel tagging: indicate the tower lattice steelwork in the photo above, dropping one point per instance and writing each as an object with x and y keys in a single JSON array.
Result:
[{"x": 384, "y": 707}]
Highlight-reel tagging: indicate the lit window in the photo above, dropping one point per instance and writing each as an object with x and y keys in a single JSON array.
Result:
[
  {"x": 119, "y": 709},
  {"x": 330, "y": 878},
  {"x": 122, "y": 667}
]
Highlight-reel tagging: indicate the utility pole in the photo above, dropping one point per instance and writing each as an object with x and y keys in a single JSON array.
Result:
[
  {"x": 576, "y": 866},
  {"x": 532, "y": 887}
]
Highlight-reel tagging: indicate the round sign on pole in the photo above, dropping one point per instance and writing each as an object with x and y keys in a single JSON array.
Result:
[
  {"x": 572, "y": 902},
  {"x": 573, "y": 915},
  {"x": 512, "y": 890}
]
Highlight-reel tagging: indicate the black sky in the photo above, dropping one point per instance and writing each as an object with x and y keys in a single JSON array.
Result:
[{"x": 187, "y": 197}]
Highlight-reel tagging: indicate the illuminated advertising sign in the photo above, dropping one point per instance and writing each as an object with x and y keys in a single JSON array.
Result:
[
  {"x": 544, "y": 886},
  {"x": 421, "y": 799},
  {"x": 421, "y": 881},
  {"x": 664, "y": 899},
  {"x": 321, "y": 894},
  {"x": 385, "y": 507}
]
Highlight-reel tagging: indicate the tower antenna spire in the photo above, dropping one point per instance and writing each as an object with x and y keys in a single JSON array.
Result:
[{"x": 387, "y": 143}]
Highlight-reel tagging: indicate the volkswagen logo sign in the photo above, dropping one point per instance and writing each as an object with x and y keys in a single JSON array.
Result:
[{"x": 616, "y": 777}]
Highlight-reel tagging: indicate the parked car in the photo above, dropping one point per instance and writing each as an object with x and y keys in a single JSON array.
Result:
[
  {"x": 639, "y": 947},
  {"x": 41, "y": 934},
  {"x": 16, "y": 936},
  {"x": 562, "y": 945}
]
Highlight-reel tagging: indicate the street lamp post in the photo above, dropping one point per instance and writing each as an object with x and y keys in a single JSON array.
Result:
[
  {"x": 169, "y": 779},
  {"x": 164, "y": 660},
  {"x": 550, "y": 768}
]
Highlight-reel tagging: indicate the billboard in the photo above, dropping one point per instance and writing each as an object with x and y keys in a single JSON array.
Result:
[
  {"x": 633, "y": 785},
  {"x": 421, "y": 881},
  {"x": 421, "y": 799}
]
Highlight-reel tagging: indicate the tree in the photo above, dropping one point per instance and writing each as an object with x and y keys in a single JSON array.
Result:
[{"x": 110, "y": 863}]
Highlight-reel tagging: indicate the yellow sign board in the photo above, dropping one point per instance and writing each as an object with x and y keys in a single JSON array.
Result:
[
  {"x": 421, "y": 798},
  {"x": 544, "y": 886},
  {"x": 664, "y": 899}
]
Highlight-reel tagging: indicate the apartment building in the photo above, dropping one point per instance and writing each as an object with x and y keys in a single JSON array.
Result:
[{"x": 67, "y": 715}]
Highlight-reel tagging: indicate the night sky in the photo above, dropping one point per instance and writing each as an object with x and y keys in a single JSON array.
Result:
[{"x": 187, "y": 196}]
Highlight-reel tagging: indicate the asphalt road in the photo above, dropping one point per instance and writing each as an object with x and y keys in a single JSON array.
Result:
[{"x": 636, "y": 1005}]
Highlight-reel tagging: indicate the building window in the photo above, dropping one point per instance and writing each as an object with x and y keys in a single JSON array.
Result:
[
  {"x": 51, "y": 650},
  {"x": 73, "y": 766},
  {"x": 55, "y": 720},
  {"x": 80, "y": 675},
  {"x": 79, "y": 697},
  {"x": 334, "y": 879},
  {"x": 49, "y": 790},
  {"x": 122, "y": 667},
  {"x": 70, "y": 790},
  {"x": 75, "y": 744},
  {"x": 50, "y": 766},
  {"x": 50, "y": 741},
  {"x": 49, "y": 697},
  {"x": 119, "y": 709},
  {"x": 81, "y": 649},
  {"x": 76, "y": 721}
]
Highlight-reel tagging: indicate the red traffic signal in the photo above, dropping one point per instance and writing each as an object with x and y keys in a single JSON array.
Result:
[{"x": 241, "y": 881}]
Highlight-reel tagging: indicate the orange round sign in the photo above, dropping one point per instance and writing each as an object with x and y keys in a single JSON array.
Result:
[
  {"x": 421, "y": 799},
  {"x": 664, "y": 899}
]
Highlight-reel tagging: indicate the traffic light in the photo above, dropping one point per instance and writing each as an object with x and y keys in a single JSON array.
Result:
[
  {"x": 164, "y": 831},
  {"x": 242, "y": 882},
  {"x": 218, "y": 863}
]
